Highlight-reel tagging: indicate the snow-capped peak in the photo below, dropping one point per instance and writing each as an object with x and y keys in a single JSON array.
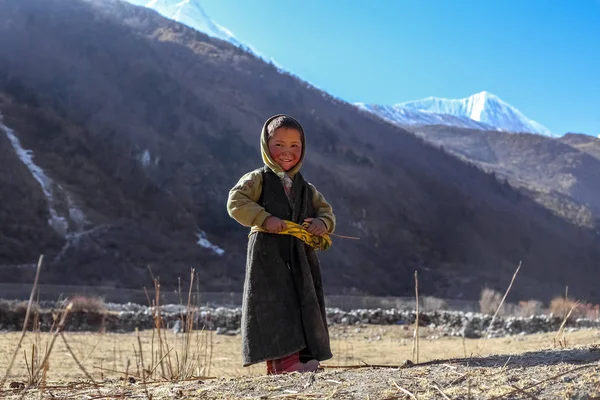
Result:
[
  {"x": 482, "y": 110},
  {"x": 190, "y": 13}
]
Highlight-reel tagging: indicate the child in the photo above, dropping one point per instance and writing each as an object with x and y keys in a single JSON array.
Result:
[{"x": 283, "y": 312}]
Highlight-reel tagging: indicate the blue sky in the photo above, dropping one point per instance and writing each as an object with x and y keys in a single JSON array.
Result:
[{"x": 543, "y": 57}]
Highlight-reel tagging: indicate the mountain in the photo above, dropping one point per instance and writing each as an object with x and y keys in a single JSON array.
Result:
[
  {"x": 480, "y": 111},
  {"x": 404, "y": 116},
  {"x": 123, "y": 131},
  {"x": 561, "y": 174},
  {"x": 585, "y": 143},
  {"x": 190, "y": 13}
]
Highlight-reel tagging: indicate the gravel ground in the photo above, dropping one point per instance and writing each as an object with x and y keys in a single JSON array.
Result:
[{"x": 550, "y": 374}]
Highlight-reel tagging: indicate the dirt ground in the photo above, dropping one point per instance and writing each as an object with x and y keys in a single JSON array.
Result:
[{"x": 473, "y": 368}]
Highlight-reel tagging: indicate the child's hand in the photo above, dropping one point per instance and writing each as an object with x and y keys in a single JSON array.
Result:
[
  {"x": 317, "y": 226},
  {"x": 274, "y": 224}
]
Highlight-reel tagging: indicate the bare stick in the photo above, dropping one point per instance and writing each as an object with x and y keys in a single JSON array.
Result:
[
  {"x": 127, "y": 372},
  {"x": 151, "y": 274},
  {"x": 416, "y": 332},
  {"x": 344, "y": 237},
  {"x": 43, "y": 382},
  {"x": 400, "y": 388},
  {"x": 91, "y": 351},
  {"x": 211, "y": 352},
  {"x": 487, "y": 331},
  {"x": 197, "y": 291},
  {"x": 181, "y": 316},
  {"x": 44, "y": 365},
  {"x": 566, "y": 299},
  {"x": 189, "y": 320},
  {"x": 76, "y": 360},
  {"x": 115, "y": 371},
  {"x": 26, "y": 362},
  {"x": 436, "y": 387},
  {"x": 137, "y": 332},
  {"x": 158, "y": 321},
  {"x": 137, "y": 360},
  {"x": 179, "y": 290},
  {"x": 33, "y": 289},
  {"x": 525, "y": 393},
  {"x": 469, "y": 389},
  {"x": 159, "y": 361},
  {"x": 562, "y": 325},
  {"x": 147, "y": 297}
]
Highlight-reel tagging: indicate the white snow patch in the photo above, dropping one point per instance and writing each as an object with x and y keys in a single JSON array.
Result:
[
  {"x": 477, "y": 104},
  {"x": 74, "y": 238},
  {"x": 204, "y": 242},
  {"x": 146, "y": 158},
  {"x": 58, "y": 223},
  {"x": 76, "y": 216}
]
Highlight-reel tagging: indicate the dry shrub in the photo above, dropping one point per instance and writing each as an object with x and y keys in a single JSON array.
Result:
[
  {"x": 591, "y": 311},
  {"x": 560, "y": 307},
  {"x": 87, "y": 304},
  {"x": 18, "y": 307},
  {"x": 189, "y": 356},
  {"x": 529, "y": 308},
  {"x": 489, "y": 301},
  {"x": 433, "y": 303}
]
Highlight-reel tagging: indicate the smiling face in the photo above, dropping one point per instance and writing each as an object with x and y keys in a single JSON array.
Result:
[{"x": 285, "y": 147}]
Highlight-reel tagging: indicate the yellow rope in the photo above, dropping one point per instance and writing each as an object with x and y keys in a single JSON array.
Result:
[{"x": 300, "y": 232}]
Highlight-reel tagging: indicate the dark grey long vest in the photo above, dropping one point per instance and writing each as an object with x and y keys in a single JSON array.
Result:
[{"x": 283, "y": 305}]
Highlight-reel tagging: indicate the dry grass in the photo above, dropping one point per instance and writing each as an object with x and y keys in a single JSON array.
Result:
[
  {"x": 370, "y": 362},
  {"x": 101, "y": 354},
  {"x": 389, "y": 345},
  {"x": 186, "y": 357}
]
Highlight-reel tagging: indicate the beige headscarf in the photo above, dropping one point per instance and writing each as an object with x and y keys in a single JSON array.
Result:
[{"x": 266, "y": 155}]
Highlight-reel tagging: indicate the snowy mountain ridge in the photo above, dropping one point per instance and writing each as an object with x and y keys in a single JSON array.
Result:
[
  {"x": 191, "y": 14},
  {"x": 405, "y": 116},
  {"x": 482, "y": 110}
]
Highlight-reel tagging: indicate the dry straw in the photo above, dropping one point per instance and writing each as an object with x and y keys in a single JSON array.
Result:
[
  {"x": 487, "y": 331},
  {"x": 559, "y": 338},
  {"x": 415, "y": 349},
  {"x": 25, "y": 323}
]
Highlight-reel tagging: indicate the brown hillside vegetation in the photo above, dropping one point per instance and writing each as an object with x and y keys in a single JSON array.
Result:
[
  {"x": 147, "y": 124},
  {"x": 561, "y": 174},
  {"x": 589, "y": 144}
]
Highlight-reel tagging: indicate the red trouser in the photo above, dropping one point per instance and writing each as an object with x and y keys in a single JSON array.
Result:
[{"x": 285, "y": 364}]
